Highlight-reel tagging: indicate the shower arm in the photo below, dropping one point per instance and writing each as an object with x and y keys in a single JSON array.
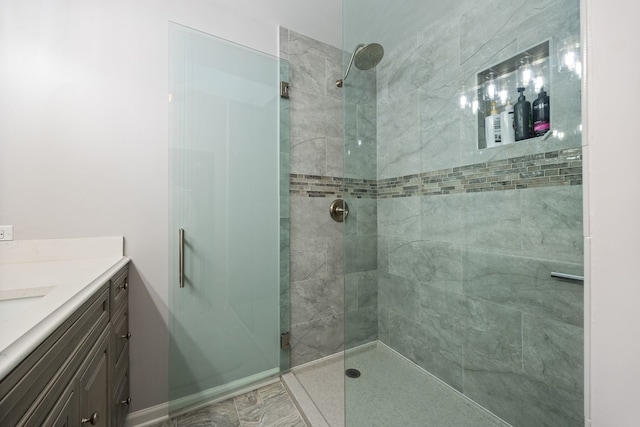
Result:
[{"x": 353, "y": 55}]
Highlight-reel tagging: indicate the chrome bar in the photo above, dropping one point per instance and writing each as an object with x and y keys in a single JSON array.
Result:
[
  {"x": 568, "y": 276},
  {"x": 181, "y": 256}
]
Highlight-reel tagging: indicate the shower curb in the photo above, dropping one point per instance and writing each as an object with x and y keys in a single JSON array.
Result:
[{"x": 303, "y": 401}]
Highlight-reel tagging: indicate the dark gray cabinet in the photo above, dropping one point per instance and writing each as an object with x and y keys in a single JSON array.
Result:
[
  {"x": 79, "y": 375},
  {"x": 120, "y": 336}
]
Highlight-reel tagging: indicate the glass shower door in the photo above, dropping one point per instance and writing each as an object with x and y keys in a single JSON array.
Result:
[{"x": 224, "y": 216}]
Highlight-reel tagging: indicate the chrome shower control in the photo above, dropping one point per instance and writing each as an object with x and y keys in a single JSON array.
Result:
[{"x": 339, "y": 210}]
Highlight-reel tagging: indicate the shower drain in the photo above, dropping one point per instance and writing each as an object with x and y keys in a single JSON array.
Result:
[{"x": 352, "y": 373}]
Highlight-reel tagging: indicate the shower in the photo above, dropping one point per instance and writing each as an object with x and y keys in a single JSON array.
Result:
[{"x": 365, "y": 56}]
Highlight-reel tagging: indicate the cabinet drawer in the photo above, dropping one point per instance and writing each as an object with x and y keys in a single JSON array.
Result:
[
  {"x": 121, "y": 333},
  {"x": 119, "y": 289},
  {"x": 34, "y": 386}
]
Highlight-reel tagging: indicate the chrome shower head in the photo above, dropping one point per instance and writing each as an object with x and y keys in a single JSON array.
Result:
[
  {"x": 368, "y": 56},
  {"x": 365, "y": 57}
]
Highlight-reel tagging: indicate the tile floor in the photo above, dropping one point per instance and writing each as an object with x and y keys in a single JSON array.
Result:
[{"x": 269, "y": 406}]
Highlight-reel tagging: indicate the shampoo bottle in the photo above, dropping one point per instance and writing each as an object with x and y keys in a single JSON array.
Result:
[
  {"x": 492, "y": 127},
  {"x": 506, "y": 125},
  {"x": 522, "y": 117},
  {"x": 541, "y": 119}
]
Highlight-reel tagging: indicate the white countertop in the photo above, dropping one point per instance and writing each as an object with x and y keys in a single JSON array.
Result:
[{"x": 37, "y": 296}]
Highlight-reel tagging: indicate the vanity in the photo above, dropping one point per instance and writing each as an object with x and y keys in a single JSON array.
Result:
[{"x": 64, "y": 333}]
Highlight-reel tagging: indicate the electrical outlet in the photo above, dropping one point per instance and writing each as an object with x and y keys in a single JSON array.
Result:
[{"x": 6, "y": 232}]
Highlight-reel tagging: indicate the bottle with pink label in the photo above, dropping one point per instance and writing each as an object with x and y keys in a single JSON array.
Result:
[{"x": 541, "y": 118}]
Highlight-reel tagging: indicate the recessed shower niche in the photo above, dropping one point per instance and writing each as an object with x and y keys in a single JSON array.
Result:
[{"x": 513, "y": 99}]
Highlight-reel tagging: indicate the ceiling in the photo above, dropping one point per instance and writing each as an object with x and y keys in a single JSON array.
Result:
[
  {"x": 383, "y": 21},
  {"x": 319, "y": 19}
]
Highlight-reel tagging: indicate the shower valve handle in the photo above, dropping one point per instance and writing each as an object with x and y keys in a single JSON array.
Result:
[{"x": 339, "y": 210}]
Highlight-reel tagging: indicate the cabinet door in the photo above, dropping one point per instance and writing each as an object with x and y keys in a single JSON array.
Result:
[
  {"x": 94, "y": 385},
  {"x": 65, "y": 413},
  {"x": 121, "y": 401},
  {"x": 120, "y": 326}
]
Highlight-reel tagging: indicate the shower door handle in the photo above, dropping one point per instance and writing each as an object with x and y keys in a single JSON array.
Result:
[{"x": 181, "y": 256}]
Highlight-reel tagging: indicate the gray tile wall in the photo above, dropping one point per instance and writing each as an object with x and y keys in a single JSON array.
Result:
[
  {"x": 459, "y": 283},
  {"x": 464, "y": 291},
  {"x": 464, "y": 288},
  {"x": 320, "y": 279},
  {"x": 420, "y": 124}
]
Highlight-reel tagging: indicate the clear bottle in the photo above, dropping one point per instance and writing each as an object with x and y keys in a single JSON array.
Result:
[
  {"x": 507, "y": 130},
  {"x": 492, "y": 132}
]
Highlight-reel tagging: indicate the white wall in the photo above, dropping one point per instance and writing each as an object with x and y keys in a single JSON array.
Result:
[
  {"x": 614, "y": 206},
  {"x": 83, "y": 137}
]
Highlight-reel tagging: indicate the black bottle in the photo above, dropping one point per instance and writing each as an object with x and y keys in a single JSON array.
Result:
[
  {"x": 522, "y": 117},
  {"x": 541, "y": 118}
]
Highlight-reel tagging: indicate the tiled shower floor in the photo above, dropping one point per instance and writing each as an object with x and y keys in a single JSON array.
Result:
[{"x": 391, "y": 392}]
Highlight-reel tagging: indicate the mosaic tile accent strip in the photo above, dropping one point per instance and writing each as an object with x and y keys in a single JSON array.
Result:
[
  {"x": 328, "y": 186},
  {"x": 554, "y": 168},
  {"x": 549, "y": 169}
]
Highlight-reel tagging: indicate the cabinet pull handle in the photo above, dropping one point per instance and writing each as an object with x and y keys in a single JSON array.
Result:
[
  {"x": 127, "y": 401},
  {"x": 93, "y": 419},
  {"x": 126, "y": 337},
  {"x": 124, "y": 286},
  {"x": 181, "y": 257}
]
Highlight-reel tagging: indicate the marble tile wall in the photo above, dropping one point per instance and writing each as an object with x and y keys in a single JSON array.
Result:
[
  {"x": 465, "y": 291},
  {"x": 421, "y": 127},
  {"x": 463, "y": 278},
  {"x": 459, "y": 283},
  {"x": 322, "y": 169}
]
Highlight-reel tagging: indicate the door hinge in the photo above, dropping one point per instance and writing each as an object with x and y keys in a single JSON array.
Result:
[
  {"x": 284, "y": 90},
  {"x": 284, "y": 341}
]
